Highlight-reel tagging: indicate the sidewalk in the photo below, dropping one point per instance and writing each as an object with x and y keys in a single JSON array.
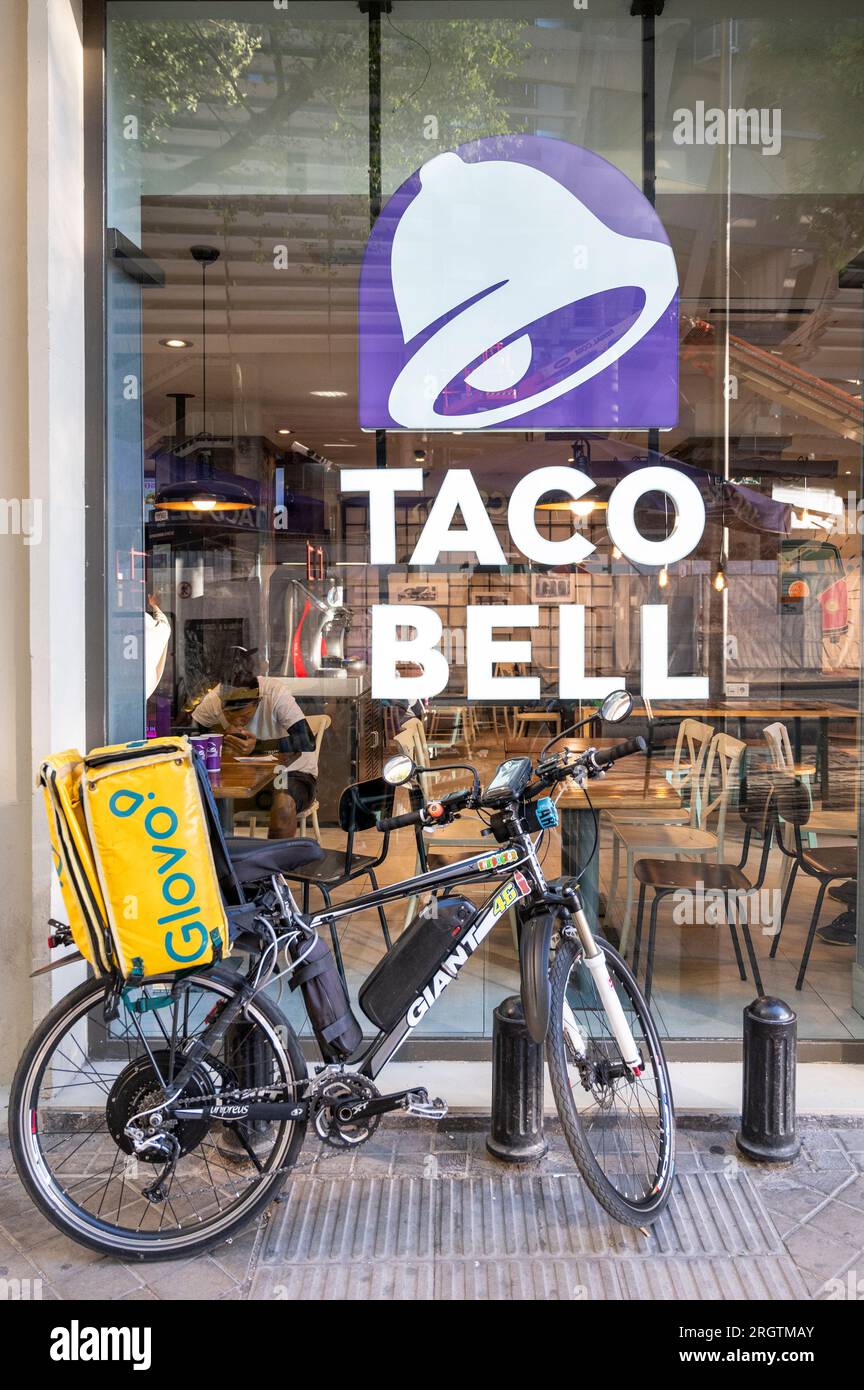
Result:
[{"x": 422, "y": 1211}]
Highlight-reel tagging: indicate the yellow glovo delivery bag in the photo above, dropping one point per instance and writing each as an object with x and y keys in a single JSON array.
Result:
[{"x": 134, "y": 850}]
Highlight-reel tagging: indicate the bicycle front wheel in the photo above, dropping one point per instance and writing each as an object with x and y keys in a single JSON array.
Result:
[
  {"x": 620, "y": 1128},
  {"x": 81, "y": 1080}
]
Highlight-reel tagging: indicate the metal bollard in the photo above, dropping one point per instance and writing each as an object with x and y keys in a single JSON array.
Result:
[
  {"x": 767, "y": 1131},
  {"x": 517, "y": 1088}
]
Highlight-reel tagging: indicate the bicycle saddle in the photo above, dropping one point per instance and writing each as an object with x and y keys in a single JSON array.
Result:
[{"x": 253, "y": 859}]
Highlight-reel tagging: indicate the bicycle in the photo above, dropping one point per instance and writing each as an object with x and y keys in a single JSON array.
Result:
[{"x": 156, "y": 1132}]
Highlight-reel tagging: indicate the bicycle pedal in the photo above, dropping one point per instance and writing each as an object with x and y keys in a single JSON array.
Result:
[{"x": 418, "y": 1103}]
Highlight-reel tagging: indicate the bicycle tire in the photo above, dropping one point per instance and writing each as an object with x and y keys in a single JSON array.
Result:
[{"x": 629, "y": 1212}]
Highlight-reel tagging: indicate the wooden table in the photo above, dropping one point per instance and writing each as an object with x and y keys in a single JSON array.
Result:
[
  {"x": 513, "y": 747},
  {"x": 634, "y": 784},
  {"x": 770, "y": 712},
  {"x": 239, "y": 782}
]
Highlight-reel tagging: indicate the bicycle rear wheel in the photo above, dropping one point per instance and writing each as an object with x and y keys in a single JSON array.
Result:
[
  {"x": 80, "y": 1081},
  {"x": 620, "y": 1128}
]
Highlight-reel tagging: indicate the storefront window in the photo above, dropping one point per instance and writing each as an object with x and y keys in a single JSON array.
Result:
[{"x": 251, "y": 148}]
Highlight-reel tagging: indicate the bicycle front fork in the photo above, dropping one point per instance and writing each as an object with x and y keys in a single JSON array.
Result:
[{"x": 595, "y": 961}]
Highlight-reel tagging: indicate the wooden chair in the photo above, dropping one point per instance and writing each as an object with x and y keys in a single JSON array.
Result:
[
  {"x": 837, "y": 823},
  {"x": 793, "y": 803},
  {"x": 462, "y": 731},
  {"x": 667, "y": 876},
  {"x": 318, "y": 724},
  {"x": 691, "y": 746},
  {"x": 720, "y": 776}
]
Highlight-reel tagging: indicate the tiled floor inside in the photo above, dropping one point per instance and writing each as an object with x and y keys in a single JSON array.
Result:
[{"x": 422, "y": 1211}]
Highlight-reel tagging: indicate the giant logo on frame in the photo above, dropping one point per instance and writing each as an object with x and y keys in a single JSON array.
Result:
[{"x": 518, "y": 282}]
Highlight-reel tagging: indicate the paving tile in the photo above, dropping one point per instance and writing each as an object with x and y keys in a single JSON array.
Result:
[
  {"x": 853, "y": 1193},
  {"x": 102, "y": 1281},
  {"x": 817, "y": 1256},
  {"x": 842, "y": 1223},
  {"x": 791, "y": 1205},
  {"x": 199, "y": 1278},
  {"x": 59, "y": 1258}
]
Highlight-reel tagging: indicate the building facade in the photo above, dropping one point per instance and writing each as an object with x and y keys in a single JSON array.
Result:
[{"x": 342, "y": 279}]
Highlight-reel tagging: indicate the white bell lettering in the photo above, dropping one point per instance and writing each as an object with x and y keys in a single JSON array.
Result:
[
  {"x": 657, "y": 684},
  {"x": 420, "y": 650},
  {"x": 573, "y": 682},
  {"x": 484, "y": 652}
]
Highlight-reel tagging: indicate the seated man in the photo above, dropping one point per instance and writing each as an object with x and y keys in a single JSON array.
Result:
[{"x": 258, "y": 714}]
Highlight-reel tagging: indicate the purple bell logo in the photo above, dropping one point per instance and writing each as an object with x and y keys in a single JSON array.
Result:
[{"x": 518, "y": 282}]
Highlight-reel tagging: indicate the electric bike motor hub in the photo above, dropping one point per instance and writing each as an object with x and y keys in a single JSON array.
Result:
[{"x": 138, "y": 1089}]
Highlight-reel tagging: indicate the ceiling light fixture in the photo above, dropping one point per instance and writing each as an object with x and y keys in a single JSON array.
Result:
[
  {"x": 562, "y": 501},
  {"x": 329, "y": 395},
  {"x": 205, "y": 493},
  {"x": 175, "y": 342}
]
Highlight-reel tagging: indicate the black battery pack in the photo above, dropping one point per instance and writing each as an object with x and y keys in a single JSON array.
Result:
[{"x": 412, "y": 961}]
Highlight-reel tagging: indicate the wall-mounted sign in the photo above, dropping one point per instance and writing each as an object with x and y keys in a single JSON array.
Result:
[{"x": 518, "y": 282}]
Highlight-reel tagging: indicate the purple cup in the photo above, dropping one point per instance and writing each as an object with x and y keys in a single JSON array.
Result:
[
  {"x": 213, "y": 756},
  {"x": 200, "y": 746}
]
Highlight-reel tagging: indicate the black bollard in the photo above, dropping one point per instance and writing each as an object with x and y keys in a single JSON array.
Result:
[
  {"x": 517, "y": 1088},
  {"x": 767, "y": 1131}
]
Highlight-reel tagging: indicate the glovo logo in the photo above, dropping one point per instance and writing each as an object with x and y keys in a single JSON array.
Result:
[{"x": 178, "y": 889}]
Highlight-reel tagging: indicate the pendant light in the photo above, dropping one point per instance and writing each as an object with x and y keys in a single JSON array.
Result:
[
  {"x": 562, "y": 501},
  {"x": 204, "y": 493}
]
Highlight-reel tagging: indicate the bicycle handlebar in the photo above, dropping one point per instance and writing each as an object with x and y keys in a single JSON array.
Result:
[
  {"x": 594, "y": 761},
  {"x": 431, "y": 814},
  {"x": 396, "y": 822},
  {"x": 603, "y": 757}
]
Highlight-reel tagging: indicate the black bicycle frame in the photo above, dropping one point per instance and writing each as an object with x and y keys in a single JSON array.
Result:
[{"x": 516, "y": 889}]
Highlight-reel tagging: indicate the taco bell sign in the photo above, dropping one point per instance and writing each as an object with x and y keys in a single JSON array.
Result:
[{"x": 518, "y": 282}]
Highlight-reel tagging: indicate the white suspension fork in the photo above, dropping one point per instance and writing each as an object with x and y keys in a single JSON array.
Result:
[{"x": 595, "y": 961}]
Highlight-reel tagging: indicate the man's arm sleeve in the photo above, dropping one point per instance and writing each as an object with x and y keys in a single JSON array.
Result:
[{"x": 297, "y": 739}]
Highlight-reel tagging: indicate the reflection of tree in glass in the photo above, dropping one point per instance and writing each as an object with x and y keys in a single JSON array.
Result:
[
  {"x": 251, "y": 79},
  {"x": 814, "y": 71}
]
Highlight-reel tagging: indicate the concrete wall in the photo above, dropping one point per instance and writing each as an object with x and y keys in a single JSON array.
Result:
[{"x": 42, "y": 467}]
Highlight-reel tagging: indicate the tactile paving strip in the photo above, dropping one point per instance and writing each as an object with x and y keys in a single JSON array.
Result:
[{"x": 522, "y": 1237}]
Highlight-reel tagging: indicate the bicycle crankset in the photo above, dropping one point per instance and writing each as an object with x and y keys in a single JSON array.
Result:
[{"x": 335, "y": 1117}]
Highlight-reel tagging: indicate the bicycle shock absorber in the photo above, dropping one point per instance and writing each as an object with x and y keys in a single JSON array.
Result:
[{"x": 614, "y": 1012}]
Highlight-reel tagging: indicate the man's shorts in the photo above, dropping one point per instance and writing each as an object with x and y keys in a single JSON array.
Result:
[{"x": 302, "y": 788}]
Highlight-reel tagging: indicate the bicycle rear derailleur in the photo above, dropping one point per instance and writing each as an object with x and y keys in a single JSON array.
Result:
[{"x": 347, "y": 1108}]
